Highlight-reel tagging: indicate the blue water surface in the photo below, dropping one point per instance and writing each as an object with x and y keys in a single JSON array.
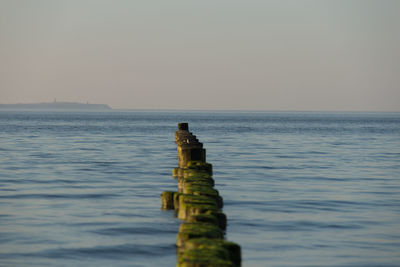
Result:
[{"x": 300, "y": 188}]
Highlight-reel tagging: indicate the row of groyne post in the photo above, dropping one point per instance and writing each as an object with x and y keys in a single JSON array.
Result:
[{"x": 200, "y": 240}]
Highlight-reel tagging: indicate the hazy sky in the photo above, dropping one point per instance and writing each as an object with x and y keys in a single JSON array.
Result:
[{"x": 208, "y": 54}]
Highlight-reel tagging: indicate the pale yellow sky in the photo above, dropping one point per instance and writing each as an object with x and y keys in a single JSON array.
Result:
[{"x": 209, "y": 54}]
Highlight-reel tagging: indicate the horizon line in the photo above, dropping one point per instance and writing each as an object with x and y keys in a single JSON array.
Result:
[{"x": 210, "y": 109}]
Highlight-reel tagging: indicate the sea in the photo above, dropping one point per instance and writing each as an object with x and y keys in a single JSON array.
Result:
[{"x": 299, "y": 188}]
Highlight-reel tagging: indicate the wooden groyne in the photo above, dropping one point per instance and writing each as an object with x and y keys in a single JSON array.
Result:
[{"x": 200, "y": 240}]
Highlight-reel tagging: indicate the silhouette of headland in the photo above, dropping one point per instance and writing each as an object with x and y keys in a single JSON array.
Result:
[{"x": 56, "y": 106}]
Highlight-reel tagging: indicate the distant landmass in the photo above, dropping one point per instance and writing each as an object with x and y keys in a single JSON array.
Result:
[{"x": 57, "y": 105}]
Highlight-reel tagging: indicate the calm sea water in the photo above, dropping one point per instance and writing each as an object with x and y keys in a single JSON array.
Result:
[{"x": 300, "y": 189}]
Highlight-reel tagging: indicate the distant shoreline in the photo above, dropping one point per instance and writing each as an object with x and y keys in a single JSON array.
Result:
[{"x": 56, "y": 106}]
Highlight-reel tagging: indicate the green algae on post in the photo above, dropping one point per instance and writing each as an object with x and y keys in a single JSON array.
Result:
[
  {"x": 196, "y": 181},
  {"x": 203, "y": 218},
  {"x": 167, "y": 200},
  {"x": 197, "y": 230},
  {"x": 200, "y": 190},
  {"x": 196, "y": 173},
  {"x": 213, "y": 217},
  {"x": 217, "y": 257},
  {"x": 198, "y": 165},
  {"x": 200, "y": 241},
  {"x": 233, "y": 249},
  {"x": 193, "y": 205}
]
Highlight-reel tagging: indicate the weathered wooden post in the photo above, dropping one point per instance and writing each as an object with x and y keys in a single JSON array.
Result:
[
  {"x": 188, "y": 146},
  {"x": 200, "y": 240}
]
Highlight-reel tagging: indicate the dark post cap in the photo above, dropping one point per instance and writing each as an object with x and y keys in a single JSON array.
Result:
[{"x": 183, "y": 126}]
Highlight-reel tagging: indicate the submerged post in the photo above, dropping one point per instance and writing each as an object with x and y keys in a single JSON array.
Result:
[{"x": 200, "y": 240}]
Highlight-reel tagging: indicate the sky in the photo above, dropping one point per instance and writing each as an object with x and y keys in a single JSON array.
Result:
[{"x": 328, "y": 55}]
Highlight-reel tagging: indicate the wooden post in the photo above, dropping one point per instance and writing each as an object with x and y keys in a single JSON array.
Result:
[{"x": 200, "y": 240}]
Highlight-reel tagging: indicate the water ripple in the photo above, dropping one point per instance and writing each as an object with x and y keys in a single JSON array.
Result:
[
  {"x": 300, "y": 189},
  {"x": 55, "y": 196}
]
